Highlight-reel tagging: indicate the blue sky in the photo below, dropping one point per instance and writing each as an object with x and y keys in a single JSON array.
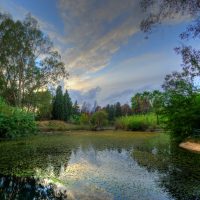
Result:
[{"x": 105, "y": 52}]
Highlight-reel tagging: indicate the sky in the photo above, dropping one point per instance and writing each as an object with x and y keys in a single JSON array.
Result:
[{"x": 107, "y": 56}]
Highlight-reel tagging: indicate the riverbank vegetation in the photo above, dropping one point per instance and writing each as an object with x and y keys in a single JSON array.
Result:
[
  {"x": 57, "y": 125},
  {"x": 15, "y": 122},
  {"x": 146, "y": 122}
]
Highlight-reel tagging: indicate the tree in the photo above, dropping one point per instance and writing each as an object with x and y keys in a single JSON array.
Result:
[
  {"x": 135, "y": 103},
  {"x": 126, "y": 110},
  {"x": 110, "y": 109},
  {"x": 99, "y": 119},
  {"x": 161, "y": 10},
  {"x": 118, "y": 111},
  {"x": 141, "y": 102},
  {"x": 76, "y": 109},
  {"x": 28, "y": 61},
  {"x": 94, "y": 107},
  {"x": 41, "y": 104},
  {"x": 181, "y": 104},
  {"x": 67, "y": 106},
  {"x": 58, "y": 106},
  {"x": 157, "y": 101}
]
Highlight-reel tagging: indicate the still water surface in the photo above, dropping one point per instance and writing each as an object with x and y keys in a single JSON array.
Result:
[{"x": 104, "y": 165}]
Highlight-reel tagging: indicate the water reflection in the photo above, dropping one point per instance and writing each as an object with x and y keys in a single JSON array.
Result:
[
  {"x": 111, "y": 175},
  {"x": 12, "y": 187},
  {"x": 179, "y": 170},
  {"x": 103, "y": 166}
]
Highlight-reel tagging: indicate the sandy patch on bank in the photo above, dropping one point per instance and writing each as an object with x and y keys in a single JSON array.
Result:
[{"x": 192, "y": 146}]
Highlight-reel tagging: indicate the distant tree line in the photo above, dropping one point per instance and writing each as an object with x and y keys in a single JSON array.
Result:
[{"x": 113, "y": 110}]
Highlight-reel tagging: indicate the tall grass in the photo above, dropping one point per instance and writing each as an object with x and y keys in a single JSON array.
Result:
[{"x": 137, "y": 122}]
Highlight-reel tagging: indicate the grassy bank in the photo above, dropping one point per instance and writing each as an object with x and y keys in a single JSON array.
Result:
[
  {"x": 56, "y": 125},
  {"x": 137, "y": 123}
]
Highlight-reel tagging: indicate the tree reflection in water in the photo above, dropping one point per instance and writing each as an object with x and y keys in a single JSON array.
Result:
[{"x": 12, "y": 187}]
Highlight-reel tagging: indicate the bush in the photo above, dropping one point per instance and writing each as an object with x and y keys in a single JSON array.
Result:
[
  {"x": 99, "y": 119},
  {"x": 15, "y": 122},
  {"x": 75, "y": 119},
  {"x": 137, "y": 122},
  {"x": 84, "y": 119}
]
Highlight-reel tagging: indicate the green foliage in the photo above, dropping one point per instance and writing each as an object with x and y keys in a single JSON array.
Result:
[
  {"x": 137, "y": 122},
  {"x": 181, "y": 103},
  {"x": 15, "y": 122},
  {"x": 110, "y": 109},
  {"x": 62, "y": 105},
  {"x": 58, "y": 107},
  {"x": 147, "y": 102},
  {"x": 76, "y": 109},
  {"x": 67, "y": 106},
  {"x": 84, "y": 118},
  {"x": 182, "y": 114},
  {"x": 41, "y": 102},
  {"x": 75, "y": 119},
  {"x": 99, "y": 119},
  {"x": 118, "y": 110}
]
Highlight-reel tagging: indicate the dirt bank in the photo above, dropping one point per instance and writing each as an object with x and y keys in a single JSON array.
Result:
[{"x": 192, "y": 146}]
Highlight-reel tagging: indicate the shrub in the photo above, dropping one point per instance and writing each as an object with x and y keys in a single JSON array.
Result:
[
  {"x": 15, "y": 122},
  {"x": 99, "y": 119},
  {"x": 137, "y": 122},
  {"x": 75, "y": 119},
  {"x": 84, "y": 119}
]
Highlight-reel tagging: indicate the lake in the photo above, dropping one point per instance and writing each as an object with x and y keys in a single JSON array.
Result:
[{"x": 98, "y": 165}]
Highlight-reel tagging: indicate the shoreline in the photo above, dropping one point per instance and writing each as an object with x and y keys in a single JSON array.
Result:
[{"x": 191, "y": 146}]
